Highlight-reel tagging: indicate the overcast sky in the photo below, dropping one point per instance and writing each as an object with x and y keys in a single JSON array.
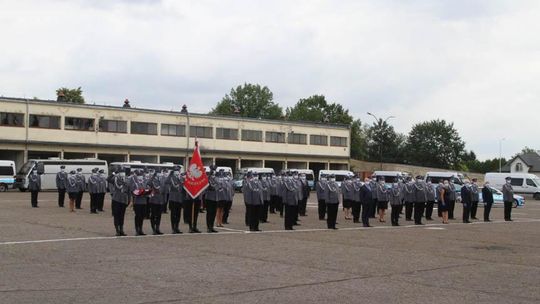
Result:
[{"x": 476, "y": 63}]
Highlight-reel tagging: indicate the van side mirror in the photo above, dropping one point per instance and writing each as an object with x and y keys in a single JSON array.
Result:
[{"x": 40, "y": 168}]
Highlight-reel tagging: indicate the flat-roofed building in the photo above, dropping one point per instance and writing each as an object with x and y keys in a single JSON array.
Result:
[{"x": 44, "y": 128}]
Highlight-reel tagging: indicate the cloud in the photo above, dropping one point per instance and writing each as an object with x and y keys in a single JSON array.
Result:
[{"x": 471, "y": 62}]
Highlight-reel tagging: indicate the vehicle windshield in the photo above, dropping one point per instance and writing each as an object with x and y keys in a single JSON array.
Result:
[
  {"x": 238, "y": 176},
  {"x": 309, "y": 177},
  {"x": 389, "y": 179},
  {"x": 26, "y": 168},
  {"x": 537, "y": 181},
  {"x": 340, "y": 177}
]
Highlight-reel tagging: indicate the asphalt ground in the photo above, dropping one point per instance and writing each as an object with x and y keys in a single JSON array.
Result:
[{"x": 48, "y": 255}]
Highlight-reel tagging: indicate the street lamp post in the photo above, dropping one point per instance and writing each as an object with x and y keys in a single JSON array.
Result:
[
  {"x": 500, "y": 154},
  {"x": 185, "y": 111},
  {"x": 381, "y": 123}
]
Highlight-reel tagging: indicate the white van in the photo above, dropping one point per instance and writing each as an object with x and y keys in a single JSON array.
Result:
[
  {"x": 339, "y": 174},
  {"x": 524, "y": 183},
  {"x": 390, "y": 176},
  {"x": 7, "y": 174},
  {"x": 437, "y": 177},
  {"x": 140, "y": 165},
  {"x": 239, "y": 177},
  {"x": 225, "y": 169},
  {"x": 49, "y": 167}
]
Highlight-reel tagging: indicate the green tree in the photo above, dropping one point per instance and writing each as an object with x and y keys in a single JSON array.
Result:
[
  {"x": 249, "y": 100},
  {"x": 316, "y": 109},
  {"x": 436, "y": 143},
  {"x": 384, "y": 144},
  {"x": 70, "y": 95}
]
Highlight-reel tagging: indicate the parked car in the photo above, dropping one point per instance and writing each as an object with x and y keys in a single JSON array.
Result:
[{"x": 519, "y": 201}]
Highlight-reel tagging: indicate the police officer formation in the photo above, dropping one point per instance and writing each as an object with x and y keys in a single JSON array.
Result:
[{"x": 151, "y": 193}]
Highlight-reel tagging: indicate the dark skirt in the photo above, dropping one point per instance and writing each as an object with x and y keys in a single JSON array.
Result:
[
  {"x": 73, "y": 195},
  {"x": 347, "y": 203},
  {"x": 382, "y": 205},
  {"x": 222, "y": 204},
  {"x": 443, "y": 208}
]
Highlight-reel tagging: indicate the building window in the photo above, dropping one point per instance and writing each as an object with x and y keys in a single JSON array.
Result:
[
  {"x": 44, "y": 121},
  {"x": 519, "y": 167},
  {"x": 337, "y": 141},
  {"x": 148, "y": 128},
  {"x": 251, "y": 135},
  {"x": 12, "y": 119},
  {"x": 173, "y": 130},
  {"x": 75, "y": 123},
  {"x": 224, "y": 133},
  {"x": 297, "y": 138},
  {"x": 319, "y": 140},
  {"x": 116, "y": 126},
  {"x": 275, "y": 137},
  {"x": 201, "y": 132}
]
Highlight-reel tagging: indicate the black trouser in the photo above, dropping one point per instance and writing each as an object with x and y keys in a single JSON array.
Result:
[
  {"x": 148, "y": 209},
  {"x": 211, "y": 209},
  {"x": 188, "y": 206},
  {"x": 226, "y": 212},
  {"x": 408, "y": 210},
  {"x": 466, "y": 212},
  {"x": 273, "y": 203},
  {"x": 155, "y": 216},
  {"x": 451, "y": 206},
  {"x": 394, "y": 215},
  {"x": 61, "y": 197},
  {"x": 78, "y": 200},
  {"x": 429, "y": 210},
  {"x": 263, "y": 216},
  {"x": 166, "y": 204},
  {"x": 280, "y": 205},
  {"x": 119, "y": 212},
  {"x": 487, "y": 211},
  {"x": 176, "y": 213},
  {"x": 93, "y": 202},
  {"x": 246, "y": 214},
  {"x": 140, "y": 214},
  {"x": 373, "y": 209},
  {"x": 366, "y": 210},
  {"x": 322, "y": 209},
  {"x": 289, "y": 218},
  {"x": 33, "y": 198},
  {"x": 356, "y": 207},
  {"x": 508, "y": 210},
  {"x": 296, "y": 208},
  {"x": 302, "y": 206},
  {"x": 101, "y": 201},
  {"x": 418, "y": 212},
  {"x": 331, "y": 210},
  {"x": 474, "y": 208},
  {"x": 253, "y": 217}
]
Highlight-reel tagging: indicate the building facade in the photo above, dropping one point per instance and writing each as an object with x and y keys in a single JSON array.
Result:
[
  {"x": 32, "y": 129},
  {"x": 524, "y": 163}
]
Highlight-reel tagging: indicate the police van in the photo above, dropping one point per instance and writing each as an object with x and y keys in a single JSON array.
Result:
[
  {"x": 129, "y": 166},
  {"x": 49, "y": 167},
  {"x": 239, "y": 177},
  {"x": 389, "y": 177},
  {"x": 7, "y": 174},
  {"x": 524, "y": 183},
  {"x": 310, "y": 176}
]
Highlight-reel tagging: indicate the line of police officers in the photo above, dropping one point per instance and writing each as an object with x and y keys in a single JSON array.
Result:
[{"x": 151, "y": 192}]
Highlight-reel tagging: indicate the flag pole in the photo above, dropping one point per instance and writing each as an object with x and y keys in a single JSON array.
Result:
[{"x": 193, "y": 199}]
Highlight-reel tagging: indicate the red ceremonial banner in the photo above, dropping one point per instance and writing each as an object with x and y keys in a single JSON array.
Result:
[{"x": 196, "y": 179}]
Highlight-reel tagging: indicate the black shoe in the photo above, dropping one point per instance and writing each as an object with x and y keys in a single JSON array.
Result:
[
  {"x": 194, "y": 230},
  {"x": 487, "y": 220},
  {"x": 366, "y": 225},
  {"x": 93, "y": 212},
  {"x": 466, "y": 222},
  {"x": 101, "y": 210},
  {"x": 212, "y": 230},
  {"x": 78, "y": 208},
  {"x": 61, "y": 206},
  {"x": 474, "y": 218},
  {"x": 356, "y": 221},
  {"x": 289, "y": 229},
  {"x": 429, "y": 219},
  {"x": 509, "y": 220},
  {"x": 225, "y": 223},
  {"x": 408, "y": 220},
  {"x": 419, "y": 223}
]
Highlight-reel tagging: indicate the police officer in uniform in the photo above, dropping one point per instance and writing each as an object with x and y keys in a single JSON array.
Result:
[
  {"x": 420, "y": 198},
  {"x": 139, "y": 190},
  {"x": 102, "y": 189},
  {"x": 332, "y": 203},
  {"x": 396, "y": 202},
  {"x": 265, "y": 192},
  {"x": 81, "y": 183},
  {"x": 487, "y": 198},
  {"x": 430, "y": 197},
  {"x": 475, "y": 194},
  {"x": 119, "y": 202},
  {"x": 254, "y": 202},
  {"x": 356, "y": 205},
  {"x": 230, "y": 197},
  {"x": 156, "y": 203},
  {"x": 409, "y": 197},
  {"x": 61, "y": 179},
  {"x": 273, "y": 193},
  {"x": 466, "y": 200},
  {"x": 176, "y": 197},
  {"x": 72, "y": 188},
  {"x": 452, "y": 199},
  {"x": 366, "y": 198},
  {"x": 374, "y": 208},
  {"x": 211, "y": 199},
  {"x": 34, "y": 186},
  {"x": 93, "y": 184},
  {"x": 305, "y": 195},
  {"x": 322, "y": 189},
  {"x": 223, "y": 196},
  {"x": 299, "y": 196},
  {"x": 192, "y": 207},
  {"x": 164, "y": 189},
  {"x": 382, "y": 199},
  {"x": 289, "y": 200},
  {"x": 508, "y": 198},
  {"x": 281, "y": 199}
]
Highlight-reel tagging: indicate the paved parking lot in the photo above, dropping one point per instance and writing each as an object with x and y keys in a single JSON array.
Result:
[{"x": 48, "y": 255}]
